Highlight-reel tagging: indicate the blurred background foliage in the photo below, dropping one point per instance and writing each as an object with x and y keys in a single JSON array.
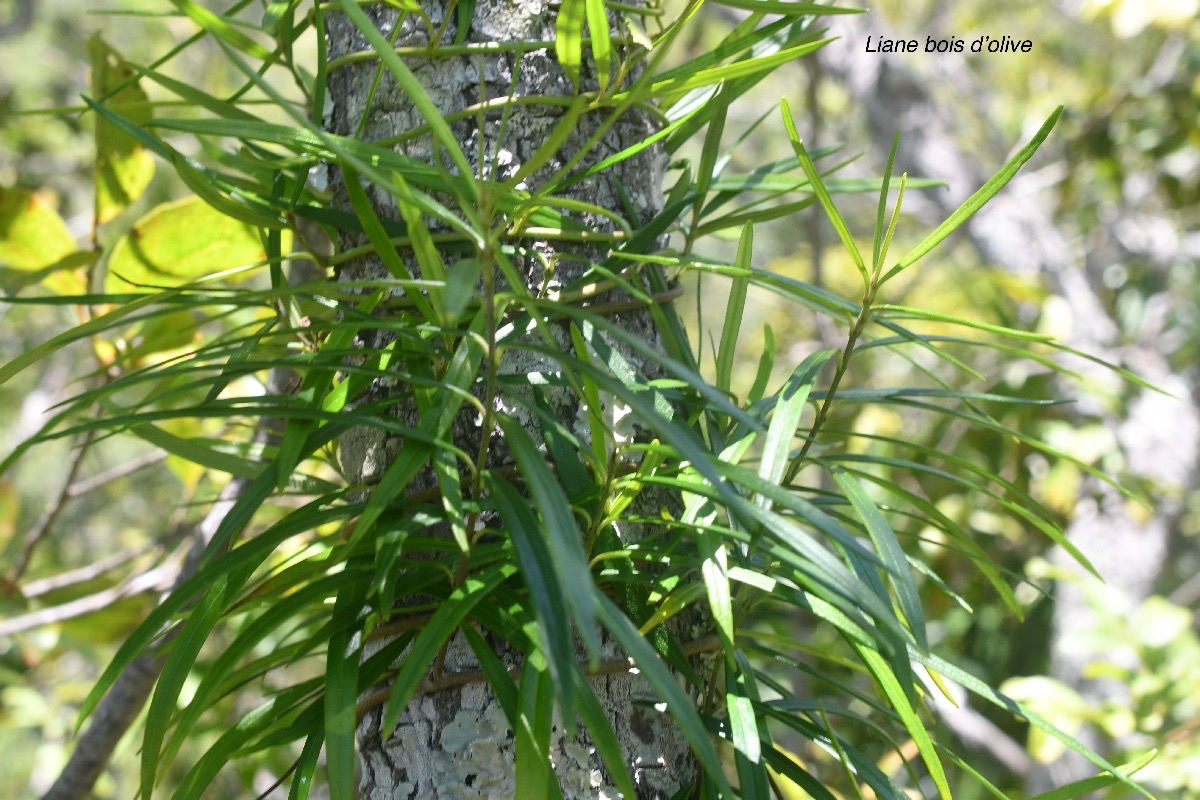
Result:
[{"x": 1124, "y": 173}]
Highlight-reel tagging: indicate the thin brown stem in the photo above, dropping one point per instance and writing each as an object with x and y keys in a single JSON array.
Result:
[
  {"x": 856, "y": 330},
  {"x": 53, "y": 510}
]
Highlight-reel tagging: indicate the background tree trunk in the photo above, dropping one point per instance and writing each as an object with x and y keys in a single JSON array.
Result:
[
  {"x": 456, "y": 742},
  {"x": 943, "y": 114}
]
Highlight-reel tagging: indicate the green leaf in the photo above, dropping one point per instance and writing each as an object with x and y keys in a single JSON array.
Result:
[
  {"x": 597, "y": 20},
  {"x": 415, "y": 92},
  {"x": 341, "y": 689},
  {"x": 437, "y": 631},
  {"x": 462, "y": 281},
  {"x": 384, "y": 248},
  {"x": 822, "y": 193},
  {"x": 564, "y": 538},
  {"x": 464, "y": 15},
  {"x": 668, "y": 88},
  {"x": 178, "y": 666},
  {"x": 981, "y": 689},
  {"x": 93, "y": 326},
  {"x": 222, "y": 28},
  {"x": 254, "y": 724},
  {"x": 898, "y": 700},
  {"x": 727, "y": 349},
  {"x": 792, "y": 9},
  {"x": 599, "y": 727},
  {"x": 766, "y": 362},
  {"x": 889, "y": 550},
  {"x": 36, "y": 246},
  {"x": 789, "y": 407},
  {"x": 568, "y": 38},
  {"x": 1098, "y": 782},
  {"x": 498, "y": 677},
  {"x": 532, "y": 761},
  {"x": 678, "y": 704},
  {"x": 882, "y": 239},
  {"x": 981, "y": 197},
  {"x": 674, "y": 603},
  {"x": 306, "y": 765},
  {"x": 302, "y": 601},
  {"x": 550, "y": 600},
  {"x": 32, "y": 234},
  {"x": 741, "y": 695},
  {"x": 195, "y": 451}
]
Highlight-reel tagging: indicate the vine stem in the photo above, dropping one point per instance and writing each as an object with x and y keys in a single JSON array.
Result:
[{"x": 856, "y": 330}]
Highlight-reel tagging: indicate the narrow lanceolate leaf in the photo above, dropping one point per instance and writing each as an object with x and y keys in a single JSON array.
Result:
[
  {"x": 563, "y": 535},
  {"x": 1093, "y": 784},
  {"x": 822, "y": 193},
  {"x": 740, "y": 696},
  {"x": 535, "y": 719},
  {"x": 568, "y": 37},
  {"x": 898, "y": 699},
  {"x": 715, "y": 570},
  {"x": 727, "y": 349},
  {"x": 341, "y": 689},
  {"x": 414, "y": 90},
  {"x": 222, "y": 28},
  {"x": 789, "y": 406},
  {"x": 981, "y": 689},
  {"x": 597, "y": 20},
  {"x": 93, "y": 326},
  {"x": 766, "y": 362},
  {"x": 700, "y": 511},
  {"x": 678, "y": 704},
  {"x": 981, "y": 197},
  {"x": 599, "y": 727},
  {"x": 710, "y": 153},
  {"x": 787, "y": 7},
  {"x": 384, "y": 248},
  {"x": 879, "y": 249},
  {"x": 677, "y": 86},
  {"x": 889, "y": 551},
  {"x": 184, "y": 650},
  {"x": 197, "y": 451},
  {"x": 441, "y": 626},
  {"x": 541, "y": 577}
]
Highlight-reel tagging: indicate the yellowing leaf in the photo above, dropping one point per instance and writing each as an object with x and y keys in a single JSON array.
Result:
[
  {"x": 123, "y": 167},
  {"x": 180, "y": 242},
  {"x": 35, "y": 245},
  {"x": 32, "y": 235}
]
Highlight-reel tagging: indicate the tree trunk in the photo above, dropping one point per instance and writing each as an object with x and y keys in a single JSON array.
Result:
[{"x": 456, "y": 742}]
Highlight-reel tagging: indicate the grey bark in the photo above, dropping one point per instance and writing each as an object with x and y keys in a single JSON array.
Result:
[
  {"x": 456, "y": 742},
  {"x": 931, "y": 101}
]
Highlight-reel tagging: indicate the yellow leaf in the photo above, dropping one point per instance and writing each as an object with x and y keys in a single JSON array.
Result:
[{"x": 123, "y": 167}]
